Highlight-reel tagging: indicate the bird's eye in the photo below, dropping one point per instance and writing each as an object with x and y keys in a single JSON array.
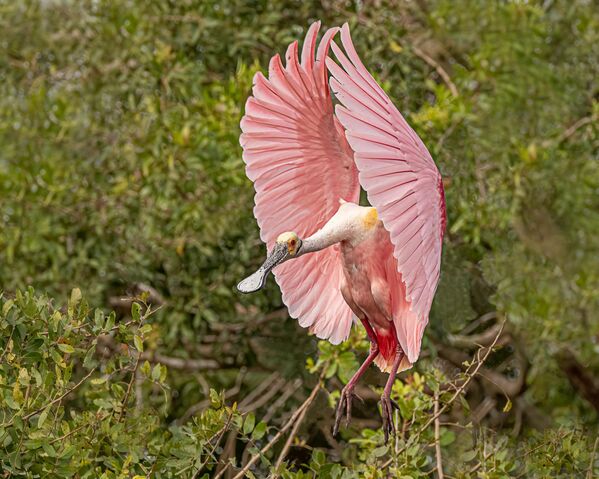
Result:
[{"x": 292, "y": 242}]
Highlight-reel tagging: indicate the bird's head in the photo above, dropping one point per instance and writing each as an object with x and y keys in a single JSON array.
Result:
[
  {"x": 291, "y": 241},
  {"x": 287, "y": 246}
]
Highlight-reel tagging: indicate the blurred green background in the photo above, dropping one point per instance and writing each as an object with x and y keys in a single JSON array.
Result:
[{"x": 121, "y": 175}]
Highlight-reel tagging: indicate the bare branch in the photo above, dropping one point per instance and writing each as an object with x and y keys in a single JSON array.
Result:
[
  {"x": 580, "y": 377},
  {"x": 478, "y": 362},
  {"x": 438, "y": 439},
  {"x": 219, "y": 435},
  {"x": 592, "y": 461},
  {"x": 438, "y": 68},
  {"x": 568, "y": 132},
  {"x": 296, "y": 415},
  {"x": 289, "y": 440}
]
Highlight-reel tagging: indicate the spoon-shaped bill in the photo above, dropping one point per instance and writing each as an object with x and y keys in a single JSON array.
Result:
[{"x": 257, "y": 280}]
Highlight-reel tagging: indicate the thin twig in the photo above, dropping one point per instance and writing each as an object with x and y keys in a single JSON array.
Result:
[
  {"x": 289, "y": 390},
  {"x": 139, "y": 399},
  {"x": 282, "y": 431},
  {"x": 438, "y": 68},
  {"x": 77, "y": 429},
  {"x": 569, "y": 131},
  {"x": 289, "y": 441},
  {"x": 7, "y": 344},
  {"x": 466, "y": 382},
  {"x": 131, "y": 381},
  {"x": 219, "y": 435},
  {"x": 590, "y": 473},
  {"x": 264, "y": 398},
  {"x": 58, "y": 399},
  {"x": 438, "y": 439},
  {"x": 258, "y": 391},
  {"x": 469, "y": 378}
]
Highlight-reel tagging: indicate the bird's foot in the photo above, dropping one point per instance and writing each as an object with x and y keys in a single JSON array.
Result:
[
  {"x": 387, "y": 405},
  {"x": 344, "y": 405}
]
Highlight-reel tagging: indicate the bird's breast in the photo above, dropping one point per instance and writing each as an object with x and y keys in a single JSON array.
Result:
[{"x": 364, "y": 265}]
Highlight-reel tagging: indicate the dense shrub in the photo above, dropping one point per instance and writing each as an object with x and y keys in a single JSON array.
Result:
[{"x": 121, "y": 177}]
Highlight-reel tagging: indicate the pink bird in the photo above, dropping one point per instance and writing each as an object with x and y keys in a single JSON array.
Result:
[{"x": 308, "y": 160}]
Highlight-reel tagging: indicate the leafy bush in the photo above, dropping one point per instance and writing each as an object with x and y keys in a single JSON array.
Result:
[{"x": 121, "y": 175}]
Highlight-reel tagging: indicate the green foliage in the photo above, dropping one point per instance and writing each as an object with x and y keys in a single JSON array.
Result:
[{"x": 122, "y": 184}]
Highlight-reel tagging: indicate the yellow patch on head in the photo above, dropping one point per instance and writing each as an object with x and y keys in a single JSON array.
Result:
[
  {"x": 370, "y": 219},
  {"x": 291, "y": 239}
]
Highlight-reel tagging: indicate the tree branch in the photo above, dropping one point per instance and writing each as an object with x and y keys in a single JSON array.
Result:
[
  {"x": 438, "y": 68},
  {"x": 296, "y": 415},
  {"x": 438, "y": 439},
  {"x": 580, "y": 377},
  {"x": 469, "y": 377}
]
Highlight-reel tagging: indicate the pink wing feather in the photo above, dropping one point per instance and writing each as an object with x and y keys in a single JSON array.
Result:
[
  {"x": 402, "y": 182},
  {"x": 301, "y": 165}
]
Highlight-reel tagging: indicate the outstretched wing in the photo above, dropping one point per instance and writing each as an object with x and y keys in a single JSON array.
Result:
[
  {"x": 301, "y": 165},
  {"x": 401, "y": 181}
]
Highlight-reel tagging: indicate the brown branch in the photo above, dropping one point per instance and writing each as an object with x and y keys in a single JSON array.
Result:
[
  {"x": 438, "y": 439},
  {"x": 289, "y": 440},
  {"x": 479, "y": 339},
  {"x": 299, "y": 412},
  {"x": 228, "y": 451},
  {"x": 592, "y": 461},
  {"x": 219, "y": 435},
  {"x": 580, "y": 377},
  {"x": 106, "y": 347},
  {"x": 258, "y": 391},
  {"x": 54, "y": 401},
  {"x": 129, "y": 387},
  {"x": 289, "y": 390},
  {"x": 469, "y": 377},
  {"x": 77, "y": 429},
  {"x": 570, "y": 131},
  {"x": 180, "y": 363},
  {"x": 438, "y": 68},
  {"x": 264, "y": 398}
]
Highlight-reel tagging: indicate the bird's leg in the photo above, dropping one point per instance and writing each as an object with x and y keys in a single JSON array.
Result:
[
  {"x": 347, "y": 393},
  {"x": 387, "y": 403}
]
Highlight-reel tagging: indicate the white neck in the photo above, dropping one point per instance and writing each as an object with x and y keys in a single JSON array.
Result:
[
  {"x": 345, "y": 225},
  {"x": 320, "y": 240}
]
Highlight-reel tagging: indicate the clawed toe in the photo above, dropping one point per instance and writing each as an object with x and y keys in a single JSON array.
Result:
[
  {"x": 387, "y": 405},
  {"x": 345, "y": 405}
]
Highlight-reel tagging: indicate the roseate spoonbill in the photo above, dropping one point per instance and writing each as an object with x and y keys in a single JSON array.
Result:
[{"x": 308, "y": 160}]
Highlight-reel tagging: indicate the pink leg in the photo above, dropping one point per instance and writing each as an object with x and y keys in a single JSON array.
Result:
[
  {"x": 347, "y": 393},
  {"x": 387, "y": 403}
]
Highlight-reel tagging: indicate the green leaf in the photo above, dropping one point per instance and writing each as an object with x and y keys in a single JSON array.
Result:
[
  {"x": 135, "y": 311},
  {"x": 89, "y": 361},
  {"x": 469, "y": 455},
  {"x": 447, "y": 437},
  {"x": 215, "y": 399},
  {"x": 66, "y": 348},
  {"x": 259, "y": 431},
  {"x": 138, "y": 342},
  {"x": 318, "y": 457},
  {"x": 6, "y": 307},
  {"x": 331, "y": 370},
  {"x": 43, "y": 416},
  {"x": 380, "y": 451},
  {"x": 24, "y": 377},
  {"x": 163, "y": 373},
  {"x": 145, "y": 329},
  {"x": 110, "y": 320},
  {"x": 156, "y": 372},
  {"x": 248, "y": 424}
]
